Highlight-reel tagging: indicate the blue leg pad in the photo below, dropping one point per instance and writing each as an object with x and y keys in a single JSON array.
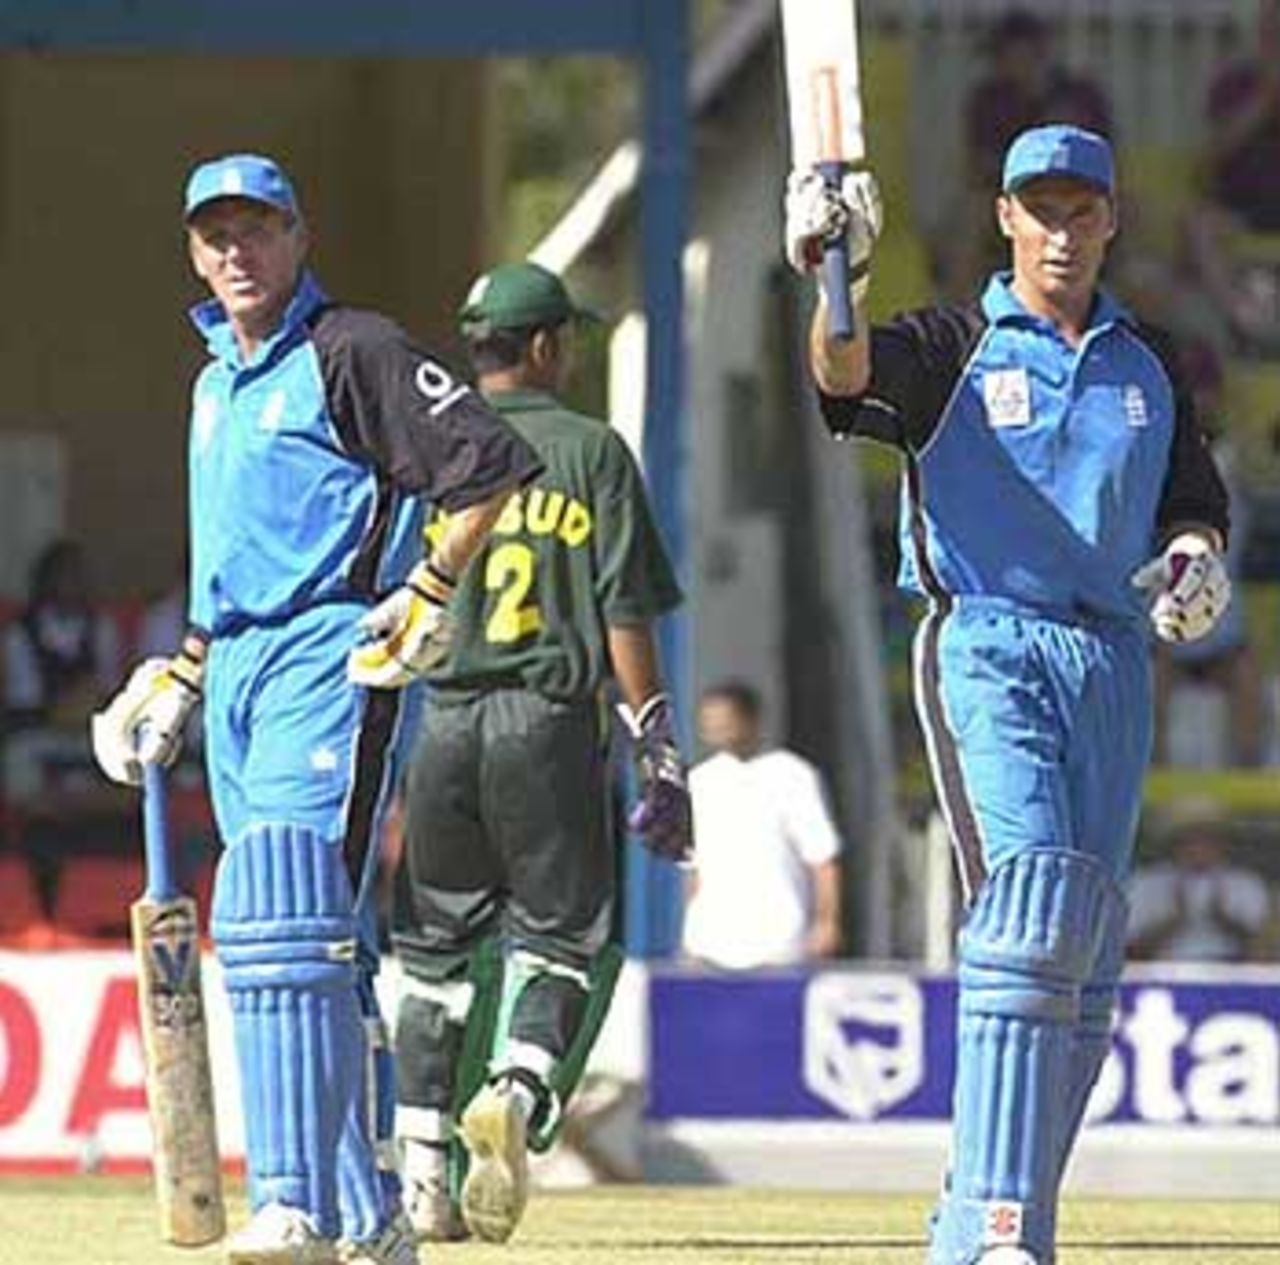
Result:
[
  {"x": 368, "y": 1178},
  {"x": 285, "y": 934},
  {"x": 1092, "y": 1039},
  {"x": 1030, "y": 943}
]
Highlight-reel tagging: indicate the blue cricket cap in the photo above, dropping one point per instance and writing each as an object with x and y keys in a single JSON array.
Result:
[
  {"x": 1059, "y": 150},
  {"x": 239, "y": 176}
]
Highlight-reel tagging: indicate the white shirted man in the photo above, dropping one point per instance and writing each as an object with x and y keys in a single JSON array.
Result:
[{"x": 765, "y": 890}]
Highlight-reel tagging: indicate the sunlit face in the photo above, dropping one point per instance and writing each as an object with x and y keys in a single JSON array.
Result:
[
  {"x": 249, "y": 255},
  {"x": 1059, "y": 229}
]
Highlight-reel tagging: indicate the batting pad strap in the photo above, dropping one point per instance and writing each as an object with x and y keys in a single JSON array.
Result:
[
  {"x": 525, "y": 1056},
  {"x": 529, "y": 964},
  {"x": 424, "y": 1124},
  {"x": 452, "y": 996}
]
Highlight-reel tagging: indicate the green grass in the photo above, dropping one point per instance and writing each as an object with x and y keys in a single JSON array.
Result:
[{"x": 111, "y": 1221}]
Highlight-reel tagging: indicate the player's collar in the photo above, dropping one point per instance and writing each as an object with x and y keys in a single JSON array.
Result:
[
  {"x": 210, "y": 318},
  {"x": 1002, "y": 307},
  {"x": 521, "y": 400}
]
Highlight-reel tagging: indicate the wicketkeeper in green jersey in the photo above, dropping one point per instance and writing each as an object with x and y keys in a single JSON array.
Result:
[{"x": 507, "y": 890}]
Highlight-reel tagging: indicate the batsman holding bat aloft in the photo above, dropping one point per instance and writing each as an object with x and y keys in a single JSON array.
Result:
[
  {"x": 317, "y": 431},
  {"x": 1059, "y": 504},
  {"x": 504, "y": 935}
]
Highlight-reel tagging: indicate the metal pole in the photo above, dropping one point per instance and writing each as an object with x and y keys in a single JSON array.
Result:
[{"x": 653, "y": 887}]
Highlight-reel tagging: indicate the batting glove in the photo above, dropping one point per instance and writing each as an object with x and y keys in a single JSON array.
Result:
[
  {"x": 406, "y": 634},
  {"x": 663, "y": 816},
  {"x": 815, "y": 213},
  {"x": 1189, "y": 587},
  {"x": 144, "y": 723}
]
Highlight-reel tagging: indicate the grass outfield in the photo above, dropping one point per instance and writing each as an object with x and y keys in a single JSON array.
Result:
[{"x": 111, "y": 1221}]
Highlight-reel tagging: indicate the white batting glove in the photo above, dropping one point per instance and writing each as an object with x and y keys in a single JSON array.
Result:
[
  {"x": 1190, "y": 587},
  {"x": 815, "y": 213},
  {"x": 144, "y": 723},
  {"x": 406, "y": 634}
]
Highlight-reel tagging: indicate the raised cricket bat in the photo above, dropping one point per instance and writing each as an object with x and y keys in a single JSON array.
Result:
[
  {"x": 166, "y": 947},
  {"x": 824, "y": 104}
]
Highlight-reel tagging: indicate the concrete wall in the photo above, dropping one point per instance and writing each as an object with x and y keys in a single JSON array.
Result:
[{"x": 394, "y": 171}]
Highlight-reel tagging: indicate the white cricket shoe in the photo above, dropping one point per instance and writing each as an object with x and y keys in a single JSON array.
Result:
[
  {"x": 432, "y": 1211},
  {"x": 280, "y": 1235},
  {"x": 1007, "y": 1256},
  {"x": 497, "y": 1184},
  {"x": 394, "y": 1246}
]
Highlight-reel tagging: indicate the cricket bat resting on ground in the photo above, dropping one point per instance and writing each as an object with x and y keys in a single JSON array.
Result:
[{"x": 166, "y": 946}]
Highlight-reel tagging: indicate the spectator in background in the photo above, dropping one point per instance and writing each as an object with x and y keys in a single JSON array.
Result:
[
  {"x": 61, "y": 656},
  {"x": 1025, "y": 84},
  {"x": 1242, "y": 193},
  {"x": 1209, "y": 693},
  {"x": 1198, "y": 906},
  {"x": 765, "y": 890}
]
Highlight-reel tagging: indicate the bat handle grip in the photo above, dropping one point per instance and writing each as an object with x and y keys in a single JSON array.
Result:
[
  {"x": 835, "y": 267},
  {"x": 161, "y": 880}
]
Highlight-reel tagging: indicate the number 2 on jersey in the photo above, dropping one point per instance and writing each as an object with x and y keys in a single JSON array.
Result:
[{"x": 509, "y": 573}]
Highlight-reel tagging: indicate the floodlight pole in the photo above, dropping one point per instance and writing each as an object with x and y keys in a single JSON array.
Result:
[{"x": 652, "y": 887}]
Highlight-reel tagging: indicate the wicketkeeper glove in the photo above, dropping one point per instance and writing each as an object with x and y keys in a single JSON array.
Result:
[
  {"x": 663, "y": 816},
  {"x": 144, "y": 723},
  {"x": 815, "y": 213},
  {"x": 406, "y": 634},
  {"x": 1189, "y": 586}
]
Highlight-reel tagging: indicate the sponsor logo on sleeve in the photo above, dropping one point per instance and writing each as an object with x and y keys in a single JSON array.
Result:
[{"x": 439, "y": 386}]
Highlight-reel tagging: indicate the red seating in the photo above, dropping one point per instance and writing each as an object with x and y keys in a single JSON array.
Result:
[
  {"x": 94, "y": 894},
  {"x": 22, "y": 921}
]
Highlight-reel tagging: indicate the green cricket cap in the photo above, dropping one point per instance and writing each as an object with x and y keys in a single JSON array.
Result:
[{"x": 518, "y": 296}]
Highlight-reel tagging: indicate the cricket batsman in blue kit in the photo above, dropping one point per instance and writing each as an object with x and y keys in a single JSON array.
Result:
[
  {"x": 1058, "y": 504},
  {"x": 318, "y": 431}
]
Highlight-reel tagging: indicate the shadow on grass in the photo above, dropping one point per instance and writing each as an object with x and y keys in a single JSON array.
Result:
[
  {"x": 745, "y": 1243},
  {"x": 1175, "y": 1245},
  {"x": 845, "y": 1243}
]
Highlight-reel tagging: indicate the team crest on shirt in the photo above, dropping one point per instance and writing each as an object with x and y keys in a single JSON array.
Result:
[
  {"x": 1135, "y": 405},
  {"x": 1007, "y": 395}
]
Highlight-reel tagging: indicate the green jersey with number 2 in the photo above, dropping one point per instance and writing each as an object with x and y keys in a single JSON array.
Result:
[{"x": 574, "y": 551}]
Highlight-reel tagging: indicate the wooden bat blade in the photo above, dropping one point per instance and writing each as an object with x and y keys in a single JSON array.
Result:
[
  {"x": 171, "y": 1011},
  {"x": 824, "y": 94}
]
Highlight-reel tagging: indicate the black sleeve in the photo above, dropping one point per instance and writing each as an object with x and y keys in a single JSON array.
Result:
[
  {"x": 916, "y": 361},
  {"x": 411, "y": 417},
  {"x": 1193, "y": 489}
]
